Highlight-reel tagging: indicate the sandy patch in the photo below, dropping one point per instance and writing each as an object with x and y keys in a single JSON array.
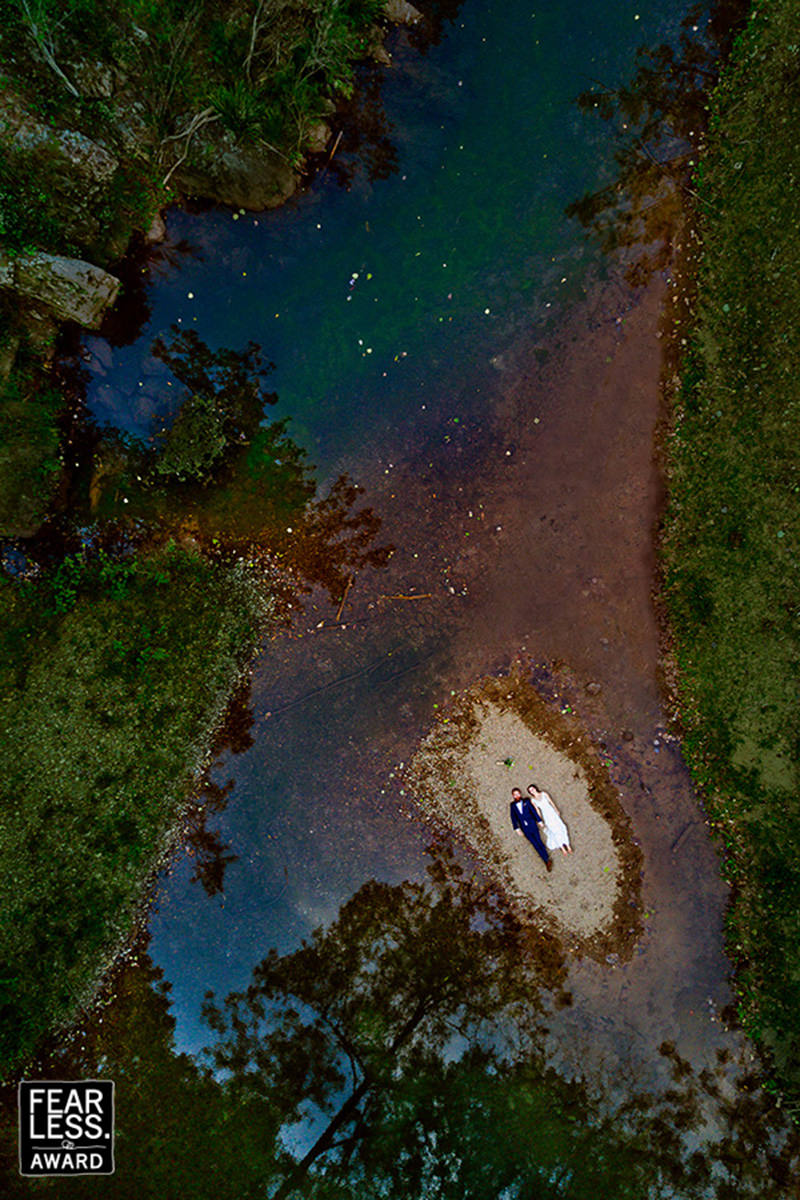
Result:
[
  {"x": 581, "y": 889},
  {"x": 502, "y": 735}
]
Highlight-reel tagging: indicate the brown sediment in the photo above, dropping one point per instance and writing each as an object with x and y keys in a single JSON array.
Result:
[{"x": 501, "y": 733}]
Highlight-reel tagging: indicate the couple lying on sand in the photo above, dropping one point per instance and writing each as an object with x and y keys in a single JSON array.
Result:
[{"x": 537, "y": 809}]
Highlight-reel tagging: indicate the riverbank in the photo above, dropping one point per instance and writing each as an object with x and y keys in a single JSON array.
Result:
[
  {"x": 127, "y": 622},
  {"x": 115, "y": 677},
  {"x": 731, "y": 577}
]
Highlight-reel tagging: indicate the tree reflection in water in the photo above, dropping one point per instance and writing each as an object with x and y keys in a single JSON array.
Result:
[
  {"x": 233, "y": 482},
  {"x": 398, "y": 1054},
  {"x": 224, "y": 478},
  {"x": 211, "y": 855},
  {"x": 660, "y": 119}
]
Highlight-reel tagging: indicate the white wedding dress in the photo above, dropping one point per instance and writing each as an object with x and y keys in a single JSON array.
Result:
[{"x": 555, "y": 831}]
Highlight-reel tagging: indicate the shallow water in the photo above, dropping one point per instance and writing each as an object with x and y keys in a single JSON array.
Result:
[{"x": 450, "y": 339}]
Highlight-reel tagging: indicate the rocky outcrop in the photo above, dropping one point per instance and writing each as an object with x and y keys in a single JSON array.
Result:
[
  {"x": 93, "y": 79},
  {"x": 242, "y": 176},
  {"x": 77, "y": 170},
  {"x": 66, "y": 149},
  {"x": 66, "y": 288},
  {"x": 401, "y": 12}
]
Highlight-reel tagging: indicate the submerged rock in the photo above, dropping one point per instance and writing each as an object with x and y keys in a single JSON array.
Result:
[{"x": 69, "y": 289}]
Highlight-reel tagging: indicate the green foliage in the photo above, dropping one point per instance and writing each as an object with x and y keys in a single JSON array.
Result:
[
  {"x": 261, "y": 70},
  {"x": 30, "y": 213},
  {"x": 733, "y": 526},
  {"x": 30, "y": 462},
  {"x": 243, "y": 111},
  {"x": 112, "y": 678},
  {"x": 195, "y": 441}
]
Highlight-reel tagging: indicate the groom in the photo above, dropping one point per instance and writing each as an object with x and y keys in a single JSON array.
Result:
[{"x": 526, "y": 820}]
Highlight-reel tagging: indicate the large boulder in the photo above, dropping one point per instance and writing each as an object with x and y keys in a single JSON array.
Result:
[
  {"x": 67, "y": 149},
  {"x": 67, "y": 288},
  {"x": 242, "y": 176},
  {"x": 74, "y": 170}
]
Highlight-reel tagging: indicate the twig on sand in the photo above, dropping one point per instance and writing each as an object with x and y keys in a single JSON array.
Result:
[
  {"x": 348, "y": 585},
  {"x": 416, "y": 596}
]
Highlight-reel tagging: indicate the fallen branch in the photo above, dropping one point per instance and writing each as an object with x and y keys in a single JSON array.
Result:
[
  {"x": 416, "y": 596},
  {"x": 198, "y": 121},
  {"x": 43, "y": 34},
  {"x": 255, "y": 29}
]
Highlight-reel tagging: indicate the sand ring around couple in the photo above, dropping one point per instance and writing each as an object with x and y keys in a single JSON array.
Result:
[{"x": 501, "y": 734}]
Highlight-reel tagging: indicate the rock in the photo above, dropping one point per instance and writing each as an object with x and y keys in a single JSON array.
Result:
[
  {"x": 100, "y": 351},
  {"x": 376, "y": 49},
  {"x": 317, "y": 137},
  {"x": 157, "y": 231},
  {"x": 67, "y": 149},
  {"x": 242, "y": 176},
  {"x": 594, "y": 689},
  {"x": 401, "y": 13},
  {"x": 131, "y": 126},
  {"x": 68, "y": 288},
  {"x": 83, "y": 168},
  {"x": 92, "y": 79},
  {"x": 379, "y": 54},
  {"x": 89, "y": 159}
]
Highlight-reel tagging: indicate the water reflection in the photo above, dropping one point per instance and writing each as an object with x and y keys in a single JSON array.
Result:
[
  {"x": 398, "y": 1053},
  {"x": 227, "y": 478},
  {"x": 659, "y": 118},
  {"x": 211, "y": 855}
]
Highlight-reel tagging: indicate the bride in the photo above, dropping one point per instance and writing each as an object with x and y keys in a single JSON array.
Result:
[{"x": 556, "y": 834}]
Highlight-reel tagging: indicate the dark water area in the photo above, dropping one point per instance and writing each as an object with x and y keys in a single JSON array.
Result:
[
  {"x": 375, "y": 299},
  {"x": 442, "y": 332}
]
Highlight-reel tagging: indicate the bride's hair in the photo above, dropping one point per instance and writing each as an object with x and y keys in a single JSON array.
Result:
[{"x": 535, "y": 787}]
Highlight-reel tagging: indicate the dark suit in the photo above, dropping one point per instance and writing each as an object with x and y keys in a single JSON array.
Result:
[{"x": 529, "y": 821}]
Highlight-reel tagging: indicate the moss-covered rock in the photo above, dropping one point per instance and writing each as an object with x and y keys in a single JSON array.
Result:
[{"x": 67, "y": 288}]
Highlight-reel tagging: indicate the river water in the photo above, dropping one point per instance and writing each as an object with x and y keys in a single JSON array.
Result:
[{"x": 443, "y": 333}]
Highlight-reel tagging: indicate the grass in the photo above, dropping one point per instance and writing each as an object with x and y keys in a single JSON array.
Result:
[
  {"x": 30, "y": 461},
  {"x": 113, "y": 676},
  {"x": 732, "y": 529}
]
